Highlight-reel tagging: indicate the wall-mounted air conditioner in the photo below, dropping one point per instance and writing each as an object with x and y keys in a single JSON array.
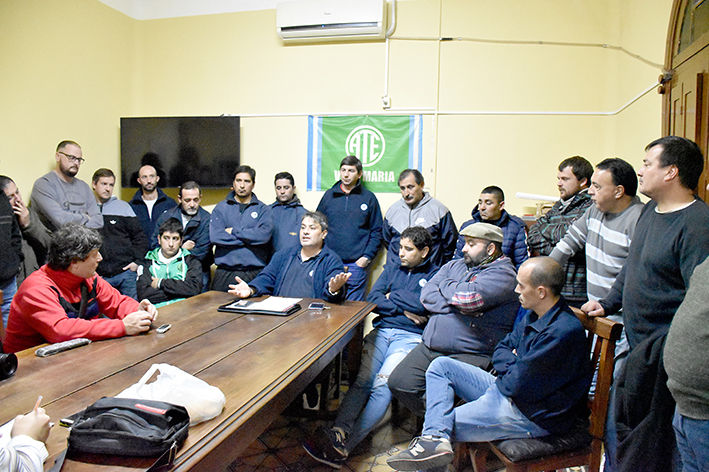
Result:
[{"x": 331, "y": 20}]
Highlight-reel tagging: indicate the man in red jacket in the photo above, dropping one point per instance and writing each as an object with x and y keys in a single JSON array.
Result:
[{"x": 64, "y": 298}]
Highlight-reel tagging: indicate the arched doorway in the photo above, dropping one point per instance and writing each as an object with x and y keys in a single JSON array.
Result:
[{"x": 686, "y": 88}]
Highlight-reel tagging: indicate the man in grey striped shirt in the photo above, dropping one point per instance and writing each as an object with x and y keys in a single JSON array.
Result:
[{"x": 605, "y": 231}]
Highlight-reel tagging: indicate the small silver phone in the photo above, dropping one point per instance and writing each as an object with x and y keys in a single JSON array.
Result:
[{"x": 163, "y": 329}]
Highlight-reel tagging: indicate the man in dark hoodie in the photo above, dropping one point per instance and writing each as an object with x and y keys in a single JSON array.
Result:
[
  {"x": 240, "y": 229},
  {"x": 491, "y": 209},
  {"x": 397, "y": 330},
  {"x": 124, "y": 244},
  {"x": 10, "y": 254},
  {"x": 473, "y": 306},
  {"x": 355, "y": 224},
  {"x": 287, "y": 212}
]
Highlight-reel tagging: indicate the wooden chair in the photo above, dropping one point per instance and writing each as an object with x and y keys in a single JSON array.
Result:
[{"x": 545, "y": 454}]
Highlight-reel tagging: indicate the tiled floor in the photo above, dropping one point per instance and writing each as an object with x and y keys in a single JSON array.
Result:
[{"x": 279, "y": 448}]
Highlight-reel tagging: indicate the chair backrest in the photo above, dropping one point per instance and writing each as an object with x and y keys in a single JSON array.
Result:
[{"x": 605, "y": 333}]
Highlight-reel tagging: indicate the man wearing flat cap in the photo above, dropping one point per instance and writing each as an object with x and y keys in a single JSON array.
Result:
[{"x": 473, "y": 307}]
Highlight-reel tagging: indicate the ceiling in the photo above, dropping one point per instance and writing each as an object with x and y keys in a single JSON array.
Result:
[{"x": 155, "y": 9}]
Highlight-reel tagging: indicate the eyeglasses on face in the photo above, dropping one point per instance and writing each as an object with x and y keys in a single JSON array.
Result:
[{"x": 75, "y": 159}]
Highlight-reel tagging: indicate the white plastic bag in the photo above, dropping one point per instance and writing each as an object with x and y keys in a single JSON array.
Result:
[{"x": 173, "y": 385}]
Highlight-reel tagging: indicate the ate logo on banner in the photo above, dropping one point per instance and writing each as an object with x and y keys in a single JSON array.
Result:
[
  {"x": 385, "y": 145},
  {"x": 367, "y": 143}
]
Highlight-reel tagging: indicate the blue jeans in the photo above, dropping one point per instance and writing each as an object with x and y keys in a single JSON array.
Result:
[
  {"x": 357, "y": 283},
  {"x": 692, "y": 442},
  {"x": 488, "y": 415},
  {"x": 368, "y": 398},
  {"x": 124, "y": 283},
  {"x": 8, "y": 293}
]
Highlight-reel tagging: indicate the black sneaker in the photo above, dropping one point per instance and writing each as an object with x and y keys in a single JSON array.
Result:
[
  {"x": 424, "y": 452},
  {"x": 327, "y": 446}
]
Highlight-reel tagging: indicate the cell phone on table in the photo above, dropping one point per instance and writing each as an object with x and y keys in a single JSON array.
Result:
[
  {"x": 317, "y": 306},
  {"x": 163, "y": 329}
]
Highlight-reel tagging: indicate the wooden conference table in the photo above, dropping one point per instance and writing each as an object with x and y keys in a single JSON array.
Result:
[{"x": 260, "y": 363}]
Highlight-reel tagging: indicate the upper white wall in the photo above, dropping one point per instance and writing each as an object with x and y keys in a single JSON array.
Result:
[{"x": 156, "y": 9}]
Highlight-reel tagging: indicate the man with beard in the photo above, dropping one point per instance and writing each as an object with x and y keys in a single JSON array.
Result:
[
  {"x": 59, "y": 197},
  {"x": 287, "y": 211},
  {"x": 150, "y": 202},
  {"x": 195, "y": 227},
  {"x": 473, "y": 306},
  {"x": 573, "y": 180},
  {"x": 543, "y": 373},
  {"x": 124, "y": 244}
]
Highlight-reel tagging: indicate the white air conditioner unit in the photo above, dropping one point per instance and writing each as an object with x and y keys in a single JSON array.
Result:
[{"x": 331, "y": 20}]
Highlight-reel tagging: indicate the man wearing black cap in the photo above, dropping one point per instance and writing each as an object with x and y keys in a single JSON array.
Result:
[{"x": 473, "y": 306}]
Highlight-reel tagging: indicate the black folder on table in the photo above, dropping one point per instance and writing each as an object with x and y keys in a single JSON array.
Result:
[{"x": 277, "y": 306}]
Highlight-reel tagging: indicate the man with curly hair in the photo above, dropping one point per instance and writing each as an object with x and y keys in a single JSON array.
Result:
[{"x": 64, "y": 298}]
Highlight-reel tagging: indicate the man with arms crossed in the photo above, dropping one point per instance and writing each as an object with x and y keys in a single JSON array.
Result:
[
  {"x": 573, "y": 179},
  {"x": 195, "y": 227},
  {"x": 169, "y": 272},
  {"x": 473, "y": 306},
  {"x": 59, "y": 197},
  {"x": 355, "y": 223},
  {"x": 604, "y": 232},
  {"x": 669, "y": 242},
  {"x": 397, "y": 330},
  {"x": 543, "y": 374},
  {"x": 64, "y": 298},
  {"x": 124, "y": 244},
  {"x": 419, "y": 208},
  {"x": 240, "y": 229}
]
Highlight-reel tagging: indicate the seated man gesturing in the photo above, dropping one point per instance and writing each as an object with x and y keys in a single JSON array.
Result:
[{"x": 311, "y": 270}]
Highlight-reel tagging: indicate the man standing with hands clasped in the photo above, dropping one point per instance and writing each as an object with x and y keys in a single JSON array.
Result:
[{"x": 355, "y": 224}]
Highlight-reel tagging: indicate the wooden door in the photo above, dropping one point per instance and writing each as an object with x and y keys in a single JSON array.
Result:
[{"x": 686, "y": 104}]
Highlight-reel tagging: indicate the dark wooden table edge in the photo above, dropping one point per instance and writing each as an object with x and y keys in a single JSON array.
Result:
[{"x": 228, "y": 440}]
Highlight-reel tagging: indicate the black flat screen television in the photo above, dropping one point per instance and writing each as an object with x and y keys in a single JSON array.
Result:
[{"x": 205, "y": 149}]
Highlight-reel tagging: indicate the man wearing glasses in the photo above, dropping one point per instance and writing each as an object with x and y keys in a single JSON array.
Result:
[{"x": 59, "y": 197}]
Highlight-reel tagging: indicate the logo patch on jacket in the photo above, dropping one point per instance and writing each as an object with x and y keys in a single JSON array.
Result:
[
  {"x": 363, "y": 207},
  {"x": 254, "y": 214}
]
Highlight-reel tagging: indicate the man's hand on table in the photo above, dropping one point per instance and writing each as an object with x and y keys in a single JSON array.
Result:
[{"x": 139, "y": 321}]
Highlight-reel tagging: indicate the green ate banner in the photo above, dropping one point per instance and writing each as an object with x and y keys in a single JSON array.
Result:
[{"x": 386, "y": 145}]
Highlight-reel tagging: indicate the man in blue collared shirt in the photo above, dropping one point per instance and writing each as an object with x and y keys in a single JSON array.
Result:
[{"x": 543, "y": 376}]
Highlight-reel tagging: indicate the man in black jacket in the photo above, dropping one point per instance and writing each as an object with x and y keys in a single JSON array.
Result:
[
  {"x": 10, "y": 255},
  {"x": 124, "y": 244}
]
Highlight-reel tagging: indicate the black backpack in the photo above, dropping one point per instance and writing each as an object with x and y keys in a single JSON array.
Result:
[{"x": 129, "y": 427}]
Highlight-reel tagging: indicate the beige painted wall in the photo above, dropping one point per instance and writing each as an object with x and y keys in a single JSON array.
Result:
[{"x": 71, "y": 69}]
